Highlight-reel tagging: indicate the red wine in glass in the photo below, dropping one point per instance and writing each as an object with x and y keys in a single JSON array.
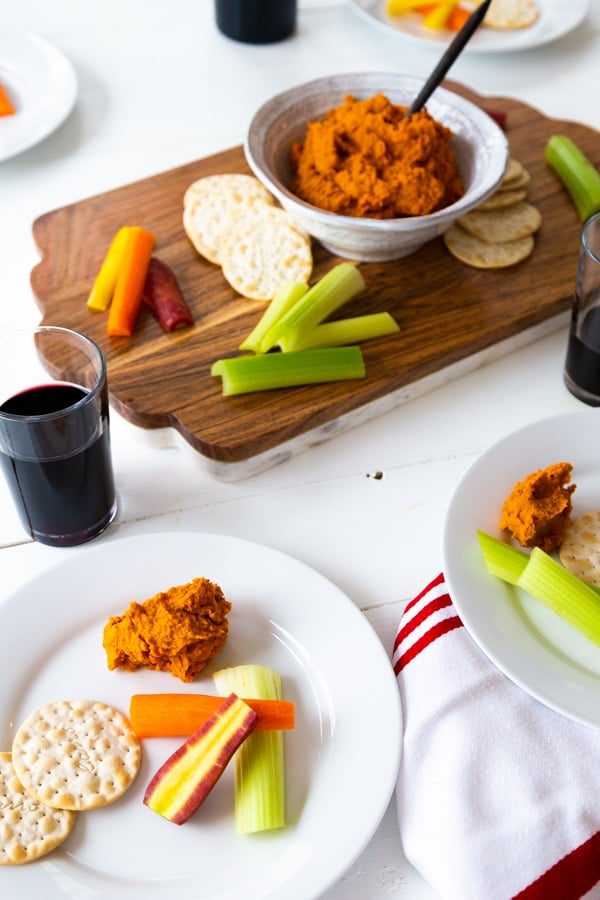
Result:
[{"x": 55, "y": 455}]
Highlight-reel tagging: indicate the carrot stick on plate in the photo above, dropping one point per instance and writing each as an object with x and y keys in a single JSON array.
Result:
[
  {"x": 7, "y": 107},
  {"x": 180, "y": 715}
]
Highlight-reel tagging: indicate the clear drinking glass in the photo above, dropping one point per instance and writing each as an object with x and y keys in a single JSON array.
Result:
[
  {"x": 582, "y": 365},
  {"x": 54, "y": 434}
]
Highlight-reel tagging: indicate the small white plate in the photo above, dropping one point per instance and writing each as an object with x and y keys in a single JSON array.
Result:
[
  {"x": 528, "y": 642},
  {"x": 341, "y": 760},
  {"x": 42, "y": 85},
  {"x": 556, "y": 19}
]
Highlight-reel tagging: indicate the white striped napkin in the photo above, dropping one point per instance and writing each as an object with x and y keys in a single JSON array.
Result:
[{"x": 498, "y": 796}]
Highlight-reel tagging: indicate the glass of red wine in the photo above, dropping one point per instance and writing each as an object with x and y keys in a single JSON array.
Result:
[
  {"x": 54, "y": 434},
  {"x": 582, "y": 365}
]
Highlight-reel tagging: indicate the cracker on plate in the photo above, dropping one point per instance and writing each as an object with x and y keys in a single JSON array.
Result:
[
  {"x": 28, "y": 829},
  {"x": 509, "y": 14},
  {"x": 262, "y": 250},
  {"x": 486, "y": 254},
  {"x": 209, "y": 202},
  {"x": 509, "y": 224},
  {"x": 76, "y": 754},
  {"x": 580, "y": 549}
]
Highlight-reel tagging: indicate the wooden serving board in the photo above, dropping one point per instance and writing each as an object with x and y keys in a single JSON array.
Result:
[{"x": 447, "y": 311}]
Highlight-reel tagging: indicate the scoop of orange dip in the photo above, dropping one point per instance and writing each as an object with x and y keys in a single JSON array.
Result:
[
  {"x": 179, "y": 630},
  {"x": 365, "y": 158},
  {"x": 537, "y": 511}
]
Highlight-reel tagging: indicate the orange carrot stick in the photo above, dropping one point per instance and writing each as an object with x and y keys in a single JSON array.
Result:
[
  {"x": 457, "y": 18},
  {"x": 127, "y": 296},
  {"x": 180, "y": 715},
  {"x": 7, "y": 108}
]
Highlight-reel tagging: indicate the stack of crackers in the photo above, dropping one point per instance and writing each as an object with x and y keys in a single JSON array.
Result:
[
  {"x": 500, "y": 231},
  {"x": 67, "y": 756},
  {"x": 232, "y": 221}
]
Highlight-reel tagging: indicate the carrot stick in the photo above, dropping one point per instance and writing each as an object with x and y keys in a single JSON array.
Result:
[
  {"x": 127, "y": 296},
  {"x": 457, "y": 18},
  {"x": 7, "y": 108},
  {"x": 437, "y": 18},
  {"x": 106, "y": 279},
  {"x": 180, "y": 715}
]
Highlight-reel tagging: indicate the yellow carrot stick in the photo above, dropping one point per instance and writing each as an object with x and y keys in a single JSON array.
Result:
[
  {"x": 438, "y": 16},
  {"x": 106, "y": 279},
  {"x": 400, "y": 7},
  {"x": 127, "y": 296}
]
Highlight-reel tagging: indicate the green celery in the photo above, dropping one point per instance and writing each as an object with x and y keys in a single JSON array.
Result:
[
  {"x": 339, "y": 285},
  {"x": 578, "y": 174},
  {"x": 259, "y": 763},
  {"x": 285, "y": 297},
  {"x": 342, "y": 331},
  {"x": 502, "y": 560},
  {"x": 545, "y": 579},
  {"x": 265, "y": 372},
  {"x": 564, "y": 593}
]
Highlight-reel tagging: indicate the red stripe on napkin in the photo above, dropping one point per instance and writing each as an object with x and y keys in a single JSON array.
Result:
[
  {"x": 433, "y": 606},
  {"x": 410, "y": 623},
  {"x": 436, "y": 631},
  {"x": 570, "y": 878}
]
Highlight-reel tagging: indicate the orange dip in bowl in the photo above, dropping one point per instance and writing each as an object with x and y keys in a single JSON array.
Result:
[{"x": 366, "y": 159}]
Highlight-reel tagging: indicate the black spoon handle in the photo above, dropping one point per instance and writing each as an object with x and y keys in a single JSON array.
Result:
[{"x": 452, "y": 52}]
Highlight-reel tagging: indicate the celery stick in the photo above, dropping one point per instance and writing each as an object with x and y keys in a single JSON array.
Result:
[
  {"x": 342, "y": 331},
  {"x": 502, "y": 560},
  {"x": 259, "y": 763},
  {"x": 579, "y": 176},
  {"x": 243, "y": 374},
  {"x": 546, "y": 580},
  {"x": 334, "y": 289},
  {"x": 285, "y": 297},
  {"x": 564, "y": 593}
]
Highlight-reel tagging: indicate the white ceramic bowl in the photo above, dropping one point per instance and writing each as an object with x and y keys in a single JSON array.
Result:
[{"x": 480, "y": 145}]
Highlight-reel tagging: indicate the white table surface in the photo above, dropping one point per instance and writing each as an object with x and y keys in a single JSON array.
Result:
[{"x": 160, "y": 87}]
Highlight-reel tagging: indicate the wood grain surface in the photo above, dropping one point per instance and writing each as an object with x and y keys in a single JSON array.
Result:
[{"x": 446, "y": 311}]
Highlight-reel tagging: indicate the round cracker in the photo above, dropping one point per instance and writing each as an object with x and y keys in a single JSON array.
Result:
[
  {"x": 517, "y": 182},
  {"x": 580, "y": 549},
  {"x": 209, "y": 203},
  {"x": 514, "y": 169},
  {"x": 509, "y": 224},
  {"x": 76, "y": 754},
  {"x": 508, "y": 14},
  {"x": 261, "y": 251},
  {"x": 235, "y": 185},
  {"x": 28, "y": 829},
  {"x": 503, "y": 198},
  {"x": 484, "y": 254}
]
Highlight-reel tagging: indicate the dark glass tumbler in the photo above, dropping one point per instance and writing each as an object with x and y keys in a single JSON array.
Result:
[
  {"x": 54, "y": 434},
  {"x": 256, "y": 21},
  {"x": 582, "y": 365}
]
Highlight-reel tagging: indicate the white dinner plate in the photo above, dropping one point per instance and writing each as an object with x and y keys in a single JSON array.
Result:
[
  {"x": 341, "y": 759},
  {"x": 42, "y": 85},
  {"x": 556, "y": 19},
  {"x": 528, "y": 642}
]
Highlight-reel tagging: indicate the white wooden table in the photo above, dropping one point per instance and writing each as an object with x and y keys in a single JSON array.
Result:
[{"x": 159, "y": 87}]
